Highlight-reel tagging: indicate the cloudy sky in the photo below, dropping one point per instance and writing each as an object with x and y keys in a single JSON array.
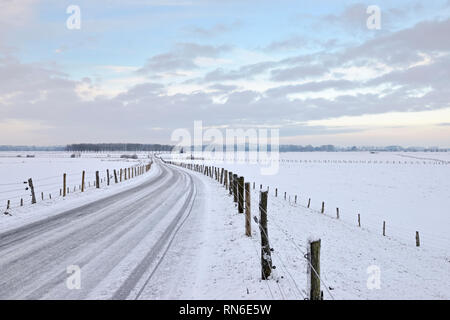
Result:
[{"x": 138, "y": 69}]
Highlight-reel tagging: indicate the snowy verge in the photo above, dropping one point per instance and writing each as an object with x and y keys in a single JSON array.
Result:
[
  {"x": 212, "y": 258},
  {"x": 43, "y": 209}
]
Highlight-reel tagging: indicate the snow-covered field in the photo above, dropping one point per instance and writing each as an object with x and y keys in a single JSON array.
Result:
[
  {"x": 47, "y": 169},
  {"x": 410, "y": 191},
  {"x": 213, "y": 259}
]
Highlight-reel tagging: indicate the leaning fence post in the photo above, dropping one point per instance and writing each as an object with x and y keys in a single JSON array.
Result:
[
  {"x": 248, "y": 227},
  {"x": 33, "y": 195},
  {"x": 314, "y": 269},
  {"x": 82, "y": 180},
  {"x": 266, "y": 258},
  {"x": 115, "y": 176},
  {"x": 417, "y": 239},
  {"x": 309, "y": 202}
]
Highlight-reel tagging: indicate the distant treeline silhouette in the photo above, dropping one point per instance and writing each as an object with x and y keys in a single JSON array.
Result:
[{"x": 100, "y": 147}]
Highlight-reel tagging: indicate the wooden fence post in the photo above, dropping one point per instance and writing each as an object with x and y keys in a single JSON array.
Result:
[
  {"x": 323, "y": 207},
  {"x": 314, "y": 268},
  {"x": 8, "y": 204},
  {"x": 276, "y": 192},
  {"x": 248, "y": 214},
  {"x": 83, "y": 174},
  {"x": 285, "y": 195},
  {"x": 97, "y": 180},
  {"x": 241, "y": 195},
  {"x": 226, "y": 180},
  {"x": 230, "y": 176},
  {"x": 337, "y": 213},
  {"x": 64, "y": 185},
  {"x": 309, "y": 202},
  {"x": 33, "y": 195},
  {"x": 384, "y": 228},
  {"x": 417, "y": 239},
  {"x": 120, "y": 175},
  {"x": 115, "y": 176},
  {"x": 359, "y": 220},
  {"x": 235, "y": 183},
  {"x": 107, "y": 177},
  {"x": 266, "y": 257},
  {"x": 295, "y": 199}
]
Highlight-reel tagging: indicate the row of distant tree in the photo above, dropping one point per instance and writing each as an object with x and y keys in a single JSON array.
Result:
[{"x": 100, "y": 147}]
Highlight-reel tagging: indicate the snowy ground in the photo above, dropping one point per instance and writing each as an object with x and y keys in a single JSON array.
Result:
[
  {"x": 47, "y": 169},
  {"x": 220, "y": 262},
  {"x": 205, "y": 255},
  {"x": 410, "y": 191}
]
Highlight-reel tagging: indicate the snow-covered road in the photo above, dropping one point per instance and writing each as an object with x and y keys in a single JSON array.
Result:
[{"x": 116, "y": 242}]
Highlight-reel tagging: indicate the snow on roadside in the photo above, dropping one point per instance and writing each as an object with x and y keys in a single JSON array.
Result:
[
  {"x": 217, "y": 261},
  {"x": 43, "y": 209}
]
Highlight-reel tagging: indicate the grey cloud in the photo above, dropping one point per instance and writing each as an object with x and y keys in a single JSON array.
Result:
[
  {"x": 312, "y": 86},
  {"x": 298, "y": 72},
  {"x": 244, "y": 72},
  {"x": 181, "y": 58},
  {"x": 294, "y": 42},
  {"x": 214, "y": 30}
]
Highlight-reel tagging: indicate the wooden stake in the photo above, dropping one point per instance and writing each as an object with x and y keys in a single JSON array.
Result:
[
  {"x": 107, "y": 177},
  {"x": 323, "y": 207},
  {"x": 83, "y": 175},
  {"x": 64, "y": 185},
  {"x": 241, "y": 195},
  {"x": 248, "y": 214},
  {"x": 359, "y": 220},
  {"x": 309, "y": 202},
  {"x": 417, "y": 239},
  {"x": 97, "y": 180},
  {"x": 314, "y": 260},
  {"x": 115, "y": 176},
  {"x": 337, "y": 213},
  {"x": 235, "y": 184},
  {"x": 384, "y": 228},
  {"x": 266, "y": 257}
]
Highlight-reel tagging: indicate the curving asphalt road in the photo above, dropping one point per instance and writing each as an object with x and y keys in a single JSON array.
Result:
[{"x": 116, "y": 242}]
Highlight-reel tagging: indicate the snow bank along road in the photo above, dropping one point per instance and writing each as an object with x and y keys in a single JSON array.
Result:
[{"x": 115, "y": 243}]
